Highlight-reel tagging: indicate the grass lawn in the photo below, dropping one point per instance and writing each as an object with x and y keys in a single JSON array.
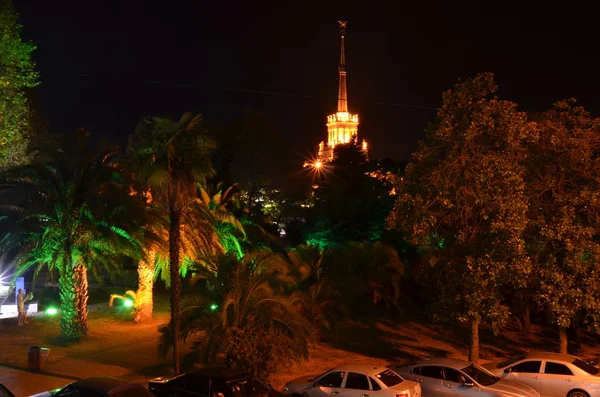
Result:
[{"x": 117, "y": 347}]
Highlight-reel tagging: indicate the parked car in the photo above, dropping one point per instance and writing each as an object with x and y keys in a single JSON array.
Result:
[
  {"x": 449, "y": 377},
  {"x": 354, "y": 380},
  {"x": 98, "y": 386},
  {"x": 4, "y": 392},
  {"x": 552, "y": 374},
  {"x": 212, "y": 382}
]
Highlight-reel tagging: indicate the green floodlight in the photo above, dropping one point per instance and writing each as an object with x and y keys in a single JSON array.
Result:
[
  {"x": 128, "y": 303},
  {"x": 51, "y": 311},
  {"x": 214, "y": 307}
]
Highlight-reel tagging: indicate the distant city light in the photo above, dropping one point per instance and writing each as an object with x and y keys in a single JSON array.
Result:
[{"x": 51, "y": 311}]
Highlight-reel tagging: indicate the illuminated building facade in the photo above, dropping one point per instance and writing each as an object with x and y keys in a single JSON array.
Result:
[{"x": 342, "y": 126}]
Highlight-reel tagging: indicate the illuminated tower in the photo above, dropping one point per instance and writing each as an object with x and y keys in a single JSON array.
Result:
[{"x": 341, "y": 126}]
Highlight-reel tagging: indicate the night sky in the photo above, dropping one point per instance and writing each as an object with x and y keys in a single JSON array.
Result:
[{"x": 106, "y": 64}]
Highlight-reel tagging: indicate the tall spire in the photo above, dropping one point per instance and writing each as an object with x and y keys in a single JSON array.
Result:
[{"x": 342, "y": 93}]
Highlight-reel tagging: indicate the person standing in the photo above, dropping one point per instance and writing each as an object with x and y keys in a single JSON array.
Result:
[{"x": 21, "y": 299}]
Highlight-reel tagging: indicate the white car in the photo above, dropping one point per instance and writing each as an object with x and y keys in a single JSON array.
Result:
[
  {"x": 552, "y": 374},
  {"x": 354, "y": 380},
  {"x": 447, "y": 377}
]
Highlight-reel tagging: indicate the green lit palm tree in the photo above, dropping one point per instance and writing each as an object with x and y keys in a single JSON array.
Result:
[
  {"x": 242, "y": 314},
  {"x": 67, "y": 211},
  {"x": 172, "y": 157}
]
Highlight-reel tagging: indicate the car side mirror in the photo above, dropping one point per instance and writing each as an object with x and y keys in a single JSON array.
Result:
[
  {"x": 508, "y": 370},
  {"x": 469, "y": 384}
]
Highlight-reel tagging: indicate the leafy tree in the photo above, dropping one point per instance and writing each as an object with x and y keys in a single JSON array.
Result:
[
  {"x": 17, "y": 73},
  {"x": 241, "y": 314},
  {"x": 351, "y": 203},
  {"x": 67, "y": 211},
  {"x": 464, "y": 200},
  {"x": 563, "y": 174},
  {"x": 174, "y": 156}
]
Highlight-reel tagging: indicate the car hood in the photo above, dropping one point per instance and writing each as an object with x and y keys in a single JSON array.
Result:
[
  {"x": 49, "y": 393},
  {"x": 513, "y": 388}
]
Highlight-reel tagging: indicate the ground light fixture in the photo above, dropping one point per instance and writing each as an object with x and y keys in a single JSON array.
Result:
[{"x": 128, "y": 303}]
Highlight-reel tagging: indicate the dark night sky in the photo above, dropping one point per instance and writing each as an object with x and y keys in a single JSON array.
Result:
[{"x": 100, "y": 61}]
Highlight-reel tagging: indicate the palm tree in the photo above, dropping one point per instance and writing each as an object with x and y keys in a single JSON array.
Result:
[
  {"x": 219, "y": 202},
  {"x": 241, "y": 313},
  {"x": 67, "y": 211},
  {"x": 172, "y": 157}
]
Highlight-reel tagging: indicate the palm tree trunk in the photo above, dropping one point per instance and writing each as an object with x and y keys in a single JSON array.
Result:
[
  {"x": 144, "y": 300},
  {"x": 562, "y": 335},
  {"x": 474, "y": 348},
  {"x": 66, "y": 285},
  {"x": 174, "y": 244},
  {"x": 81, "y": 297}
]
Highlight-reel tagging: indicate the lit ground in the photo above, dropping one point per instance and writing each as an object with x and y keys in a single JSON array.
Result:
[{"x": 116, "y": 347}]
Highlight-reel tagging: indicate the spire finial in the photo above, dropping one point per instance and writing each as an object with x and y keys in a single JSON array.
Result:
[{"x": 343, "y": 25}]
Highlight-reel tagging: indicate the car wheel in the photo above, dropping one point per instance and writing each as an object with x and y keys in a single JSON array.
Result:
[{"x": 577, "y": 393}]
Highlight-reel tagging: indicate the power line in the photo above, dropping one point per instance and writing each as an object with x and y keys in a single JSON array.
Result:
[{"x": 274, "y": 93}]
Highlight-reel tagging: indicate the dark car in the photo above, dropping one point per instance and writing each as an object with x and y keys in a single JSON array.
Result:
[
  {"x": 212, "y": 382},
  {"x": 99, "y": 386},
  {"x": 4, "y": 392}
]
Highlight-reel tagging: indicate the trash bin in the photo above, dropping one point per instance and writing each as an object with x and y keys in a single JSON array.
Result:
[{"x": 34, "y": 358}]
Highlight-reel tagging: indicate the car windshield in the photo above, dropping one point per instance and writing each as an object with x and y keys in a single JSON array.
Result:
[
  {"x": 509, "y": 362},
  {"x": 247, "y": 387},
  {"x": 320, "y": 375},
  {"x": 590, "y": 369},
  {"x": 389, "y": 378},
  {"x": 480, "y": 375}
]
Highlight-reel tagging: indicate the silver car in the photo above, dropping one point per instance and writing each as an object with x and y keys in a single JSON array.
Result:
[
  {"x": 552, "y": 374},
  {"x": 447, "y": 377},
  {"x": 353, "y": 380}
]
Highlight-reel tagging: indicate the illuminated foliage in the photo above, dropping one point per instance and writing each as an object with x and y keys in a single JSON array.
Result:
[
  {"x": 349, "y": 204},
  {"x": 464, "y": 200},
  {"x": 255, "y": 326},
  {"x": 17, "y": 73},
  {"x": 68, "y": 212},
  {"x": 172, "y": 157},
  {"x": 563, "y": 173}
]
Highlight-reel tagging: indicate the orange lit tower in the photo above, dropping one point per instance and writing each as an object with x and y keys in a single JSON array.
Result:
[{"x": 341, "y": 126}]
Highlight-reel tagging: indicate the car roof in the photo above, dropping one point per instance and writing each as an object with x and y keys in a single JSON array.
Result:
[
  {"x": 219, "y": 373},
  {"x": 447, "y": 362},
  {"x": 550, "y": 356},
  {"x": 367, "y": 369},
  {"x": 100, "y": 383}
]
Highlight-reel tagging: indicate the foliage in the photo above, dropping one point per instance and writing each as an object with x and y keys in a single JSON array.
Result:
[
  {"x": 316, "y": 297},
  {"x": 351, "y": 203},
  {"x": 365, "y": 274},
  {"x": 172, "y": 158},
  {"x": 563, "y": 173},
  {"x": 242, "y": 315},
  {"x": 17, "y": 73},
  {"x": 464, "y": 200},
  {"x": 128, "y": 296},
  {"x": 68, "y": 211}
]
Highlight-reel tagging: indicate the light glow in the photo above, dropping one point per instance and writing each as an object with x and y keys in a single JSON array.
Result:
[
  {"x": 128, "y": 303},
  {"x": 51, "y": 311},
  {"x": 214, "y": 307}
]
